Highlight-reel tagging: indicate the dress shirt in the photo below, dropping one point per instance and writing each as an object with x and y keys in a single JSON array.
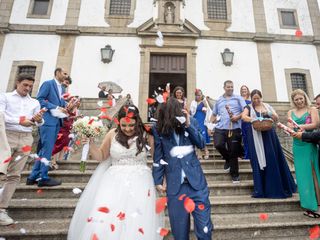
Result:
[
  {"x": 59, "y": 87},
  {"x": 15, "y": 106},
  {"x": 236, "y": 104},
  {"x": 177, "y": 138}
]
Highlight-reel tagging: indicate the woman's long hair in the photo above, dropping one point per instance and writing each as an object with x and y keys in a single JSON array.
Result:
[
  {"x": 167, "y": 113},
  {"x": 131, "y": 111},
  {"x": 296, "y": 92},
  {"x": 176, "y": 89}
]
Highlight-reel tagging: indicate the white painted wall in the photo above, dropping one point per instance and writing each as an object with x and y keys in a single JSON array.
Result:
[
  {"x": 92, "y": 13},
  {"x": 294, "y": 56},
  {"x": 211, "y": 73},
  {"x": 143, "y": 12},
  {"x": 88, "y": 70},
  {"x": 242, "y": 16},
  {"x": 19, "y": 47},
  {"x": 273, "y": 24},
  {"x": 193, "y": 11},
  {"x": 21, "y": 7}
]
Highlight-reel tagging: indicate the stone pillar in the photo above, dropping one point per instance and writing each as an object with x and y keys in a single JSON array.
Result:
[
  {"x": 73, "y": 12},
  {"x": 66, "y": 51},
  {"x": 5, "y": 12},
  {"x": 315, "y": 18},
  {"x": 263, "y": 41}
]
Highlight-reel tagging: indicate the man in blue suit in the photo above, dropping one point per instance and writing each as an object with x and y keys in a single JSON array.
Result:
[
  {"x": 175, "y": 137},
  {"x": 50, "y": 97}
]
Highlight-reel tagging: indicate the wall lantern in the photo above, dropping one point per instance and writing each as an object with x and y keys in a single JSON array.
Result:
[
  {"x": 107, "y": 54},
  {"x": 227, "y": 57}
]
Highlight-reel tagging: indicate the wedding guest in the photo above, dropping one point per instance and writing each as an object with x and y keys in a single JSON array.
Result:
[
  {"x": 227, "y": 136},
  {"x": 317, "y": 99},
  {"x": 179, "y": 94},
  {"x": 111, "y": 98},
  {"x": 176, "y": 130},
  {"x": 245, "y": 93},
  {"x": 198, "y": 110},
  {"x": 102, "y": 93},
  {"x": 64, "y": 132},
  {"x": 122, "y": 186},
  {"x": 5, "y": 150},
  {"x": 21, "y": 113},
  {"x": 305, "y": 154},
  {"x": 67, "y": 82},
  {"x": 50, "y": 97},
  {"x": 271, "y": 175}
]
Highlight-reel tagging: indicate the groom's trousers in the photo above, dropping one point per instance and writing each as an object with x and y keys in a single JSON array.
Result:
[{"x": 180, "y": 218}]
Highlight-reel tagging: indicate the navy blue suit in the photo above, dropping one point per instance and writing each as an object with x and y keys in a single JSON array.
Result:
[
  {"x": 195, "y": 187},
  {"x": 49, "y": 98}
]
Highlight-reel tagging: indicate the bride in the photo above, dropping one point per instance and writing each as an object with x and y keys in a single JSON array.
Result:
[{"x": 119, "y": 201}]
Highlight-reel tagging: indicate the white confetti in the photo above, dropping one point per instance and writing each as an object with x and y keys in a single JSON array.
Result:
[
  {"x": 100, "y": 103},
  {"x": 159, "y": 33},
  {"x": 179, "y": 151},
  {"x": 162, "y": 162},
  {"x": 153, "y": 120},
  {"x": 71, "y": 136},
  {"x": 156, "y": 164},
  {"x": 24, "y": 199},
  {"x": 76, "y": 191},
  {"x": 148, "y": 147},
  {"x": 205, "y": 229},
  {"x": 45, "y": 161},
  {"x": 23, "y": 231},
  {"x": 186, "y": 134},
  {"x": 160, "y": 99},
  {"x": 42, "y": 222},
  {"x": 181, "y": 119},
  {"x": 132, "y": 108},
  {"x": 34, "y": 155},
  {"x": 18, "y": 158},
  {"x": 204, "y": 109},
  {"x": 159, "y": 42}
]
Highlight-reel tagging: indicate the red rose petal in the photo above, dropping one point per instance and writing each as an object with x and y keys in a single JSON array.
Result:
[
  {"x": 127, "y": 119},
  {"x": 164, "y": 232},
  {"x": 103, "y": 209},
  {"x": 26, "y": 148},
  {"x": 59, "y": 135},
  {"x": 78, "y": 142},
  {"x": 165, "y": 96},
  {"x": 182, "y": 197},
  {"x": 314, "y": 232},
  {"x": 39, "y": 191},
  {"x": 189, "y": 204},
  {"x": 104, "y": 110},
  {"x": 110, "y": 103},
  {"x": 89, "y": 219},
  {"x": 65, "y": 148},
  {"x": 94, "y": 237},
  {"x": 121, "y": 216},
  {"x": 7, "y": 160},
  {"x": 298, "y": 33},
  {"x": 90, "y": 121},
  {"x": 201, "y": 207},
  {"x": 116, "y": 121},
  {"x": 141, "y": 230},
  {"x": 105, "y": 117},
  {"x": 22, "y": 119},
  {"x": 263, "y": 216},
  {"x": 151, "y": 101},
  {"x": 112, "y": 227},
  {"x": 161, "y": 204},
  {"x": 130, "y": 114}
]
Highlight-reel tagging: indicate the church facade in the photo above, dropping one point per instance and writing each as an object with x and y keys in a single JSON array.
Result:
[{"x": 271, "y": 45}]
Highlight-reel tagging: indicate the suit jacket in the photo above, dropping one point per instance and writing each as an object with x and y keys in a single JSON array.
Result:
[
  {"x": 313, "y": 137},
  {"x": 48, "y": 96},
  {"x": 189, "y": 163}
]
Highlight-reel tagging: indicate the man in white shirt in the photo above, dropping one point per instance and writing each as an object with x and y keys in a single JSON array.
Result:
[{"x": 21, "y": 113}]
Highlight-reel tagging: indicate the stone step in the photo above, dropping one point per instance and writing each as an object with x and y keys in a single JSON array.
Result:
[
  {"x": 283, "y": 225},
  {"x": 205, "y": 164},
  {"x": 64, "y": 207}
]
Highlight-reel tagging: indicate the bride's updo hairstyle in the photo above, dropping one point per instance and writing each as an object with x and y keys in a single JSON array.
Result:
[{"x": 131, "y": 112}]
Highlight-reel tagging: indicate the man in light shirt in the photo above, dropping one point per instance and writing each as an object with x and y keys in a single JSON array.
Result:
[
  {"x": 21, "y": 113},
  {"x": 50, "y": 97}
]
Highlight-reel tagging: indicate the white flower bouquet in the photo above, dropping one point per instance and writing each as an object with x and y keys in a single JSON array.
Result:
[{"x": 87, "y": 127}]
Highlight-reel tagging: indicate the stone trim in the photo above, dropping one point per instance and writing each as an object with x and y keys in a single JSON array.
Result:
[
  {"x": 31, "y": 15},
  {"x": 217, "y": 24},
  {"x": 14, "y": 72},
  {"x": 308, "y": 79},
  {"x": 66, "y": 52},
  {"x": 259, "y": 16},
  {"x": 73, "y": 13},
  {"x": 5, "y": 11},
  {"x": 314, "y": 12},
  {"x": 170, "y": 47},
  {"x": 294, "y": 11},
  {"x": 268, "y": 84},
  {"x": 119, "y": 21}
]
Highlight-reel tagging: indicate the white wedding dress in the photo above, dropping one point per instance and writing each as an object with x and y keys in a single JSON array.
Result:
[{"x": 119, "y": 201}]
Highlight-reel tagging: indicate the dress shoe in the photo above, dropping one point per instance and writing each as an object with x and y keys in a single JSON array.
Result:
[
  {"x": 49, "y": 183},
  {"x": 31, "y": 181}
]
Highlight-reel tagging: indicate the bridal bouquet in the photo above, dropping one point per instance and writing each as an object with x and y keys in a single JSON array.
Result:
[{"x": 87, "y": 127}]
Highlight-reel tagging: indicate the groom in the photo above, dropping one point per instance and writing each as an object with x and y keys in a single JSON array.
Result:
[{"x": 176, "y": 160}]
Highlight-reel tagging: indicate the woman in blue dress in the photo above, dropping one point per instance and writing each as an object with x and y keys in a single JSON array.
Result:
[
  {"x": 271, "y": 175},
  {"x": 198, "y": 110},
  {"x": 245, "y": 93}
]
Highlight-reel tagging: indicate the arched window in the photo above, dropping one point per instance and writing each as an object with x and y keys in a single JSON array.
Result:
[{"x": 120, "y": 7}]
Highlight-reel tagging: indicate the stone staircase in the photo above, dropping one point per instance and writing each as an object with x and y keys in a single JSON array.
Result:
[{"x": 46, "y": 213}]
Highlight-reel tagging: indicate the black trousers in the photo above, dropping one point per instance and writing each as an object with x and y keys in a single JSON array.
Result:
[{"x": 229, "y": 147}]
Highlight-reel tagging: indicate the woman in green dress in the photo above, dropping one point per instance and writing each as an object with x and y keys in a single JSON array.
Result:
[{"x": 305, "y": 154}]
